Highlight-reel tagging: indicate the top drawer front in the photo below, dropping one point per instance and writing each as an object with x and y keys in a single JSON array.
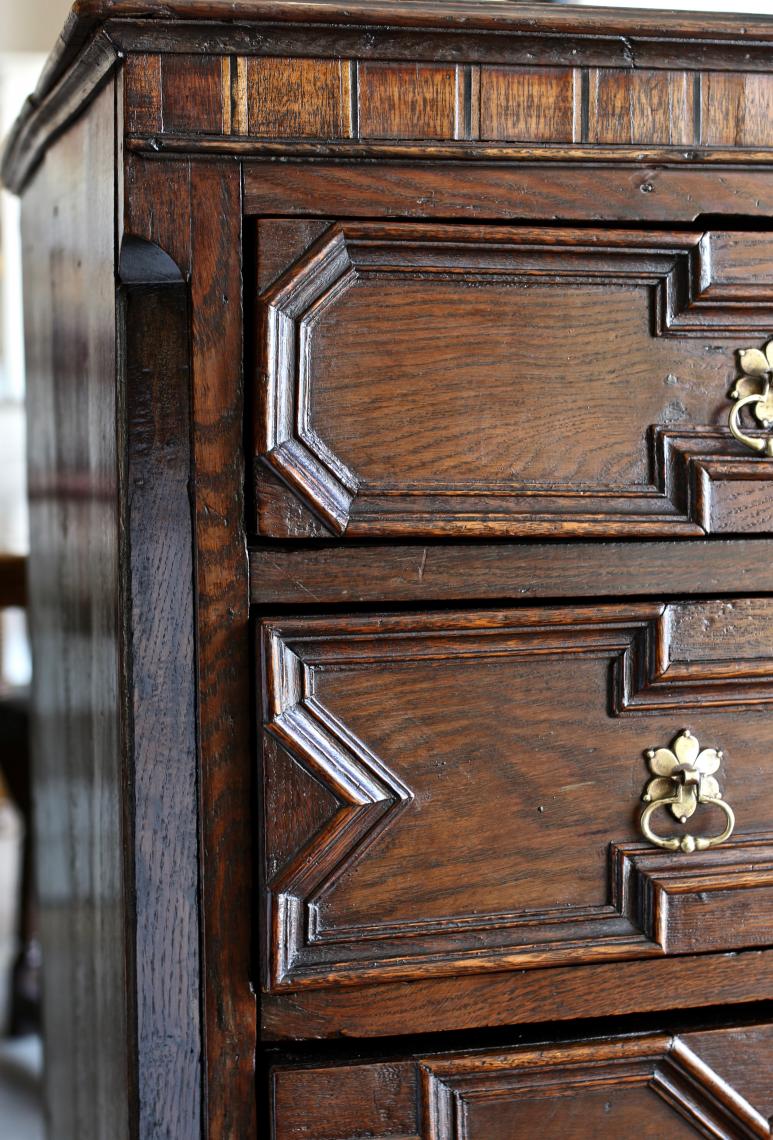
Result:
[{"x": 432, "y": 380}]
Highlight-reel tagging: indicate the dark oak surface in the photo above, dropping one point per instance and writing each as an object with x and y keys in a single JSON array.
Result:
[
  {"x": 376, "y": 573},
  {"x": 686, "y": 1085},
  {"x": 403, "y": 288},
  {"x": 439, "y": 737},
  {"x": 173, "y": 209},
  {"x": 520, "y": 997},
  {"x": 159, "y": 670},
  {"x": 370, "y": 328},
  {"x": 551, "y": 184},
  {"x": 78, "y": 730},
  {"x": 730, "y": 110}
]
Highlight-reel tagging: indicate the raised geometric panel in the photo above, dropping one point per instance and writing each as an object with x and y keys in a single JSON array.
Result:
[
  {"x": 513, "y": 419},
  {"x": 699, "y": 655},
  {"x": 484, "y": 763},
  {"x": 648, "y": 1087}
]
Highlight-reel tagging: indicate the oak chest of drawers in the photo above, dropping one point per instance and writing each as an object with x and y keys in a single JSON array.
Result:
[{"x": 402, "y": 597}]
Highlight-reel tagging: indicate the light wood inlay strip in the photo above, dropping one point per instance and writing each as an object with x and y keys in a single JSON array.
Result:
[{"x": 238, "y": 96}]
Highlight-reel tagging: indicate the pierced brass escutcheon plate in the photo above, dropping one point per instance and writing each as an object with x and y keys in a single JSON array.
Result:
[
  {"x": 683, "y": 779},
  {"x": 753, "y": 390}
]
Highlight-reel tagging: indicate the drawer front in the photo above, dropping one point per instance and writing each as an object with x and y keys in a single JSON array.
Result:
[
  {"x": 454, "y": 793},
  {"x": 714, "y": 1083},
  {"x": 433, "y": 379}
]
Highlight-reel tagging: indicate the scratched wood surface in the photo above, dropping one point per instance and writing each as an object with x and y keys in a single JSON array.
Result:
[{"x": 386, "y": 187}]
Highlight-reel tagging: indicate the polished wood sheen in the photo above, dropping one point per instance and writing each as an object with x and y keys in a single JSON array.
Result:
[
  {"x": 686, "y": 1085},
  {"x": 385, "y": 514},
  {"x": 342, "y": 99},
  {"x": 568, "y": 439},
  {"x": 421, "y": 730},
  {"x": 78, "y": 734}
]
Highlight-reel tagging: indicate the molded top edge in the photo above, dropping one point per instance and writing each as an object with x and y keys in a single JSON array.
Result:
[
  {"x": 90, "y": 19},
  {"x": 490, "y": 15}
]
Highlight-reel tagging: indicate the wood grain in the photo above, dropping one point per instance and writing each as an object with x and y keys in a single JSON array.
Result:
[
  {"x": 736, "y": 109},
  {"x": 223, "y": 646},
  {"x": 191, "y": 94},
  {"x": 299, "y": 98},
  {"x": 411, "y": 102},
  {"x": 142, "y": 94},
  {"x": 382, "y": 31},
  {"x": 79, "y": 734},
  {"x": 436, "y": 1005},
  {"x": 723, "y": 900},
  {"x": 174, "y": 208},
  {"x": 649, "y": 1086},
  {"x": 403, "y": 719},
  {"x": 376, "y": 573},
  {"x": 154, "y": 331},
  {"x": 429, "y": 103},
  {"x": 531, "y": 104},
  {"x": 375, "y": 1100},
  {"x": 530, "y": 331},
  {"x": 371, "y": 303},
  {"x": 741, "y": 1057},
  {"x": 480, "y": 191},
  {"x": 641, "y": 107}
]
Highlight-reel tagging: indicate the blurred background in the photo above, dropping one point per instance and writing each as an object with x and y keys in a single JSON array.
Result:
[
  {"x": 27, "y": 32},
  {"x": 28, "y": 29}
]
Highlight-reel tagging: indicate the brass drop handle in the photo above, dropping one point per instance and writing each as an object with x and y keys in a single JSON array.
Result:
[
  {"x": 683, "y": 779},
  {"x": 753, "y": 390}
]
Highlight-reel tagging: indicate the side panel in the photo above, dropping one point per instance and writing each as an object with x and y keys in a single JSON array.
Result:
[{"x": 74, "y": 580}]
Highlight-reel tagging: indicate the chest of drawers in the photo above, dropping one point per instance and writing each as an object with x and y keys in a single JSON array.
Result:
[{"x": 402, "y": 520}]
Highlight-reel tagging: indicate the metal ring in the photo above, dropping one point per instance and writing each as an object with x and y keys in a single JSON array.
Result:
[
  {"x": 687, "y": 843},
  {"x": 754, "y": 442}
]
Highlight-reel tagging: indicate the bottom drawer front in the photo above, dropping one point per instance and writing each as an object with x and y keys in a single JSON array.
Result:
[
  {"x": 713, "y": 1083},
  {"x": 452, "y": 793}
]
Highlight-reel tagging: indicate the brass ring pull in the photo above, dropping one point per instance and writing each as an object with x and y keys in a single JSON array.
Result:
[
  {"x": 683, "y": 779},
  {"x": 753, "y": 390},
  {"x": 687, "y": 843}
]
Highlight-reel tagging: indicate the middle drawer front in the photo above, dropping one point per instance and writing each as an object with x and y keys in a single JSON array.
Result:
[
  {"x": 419, "y": 379},
  {"x": 459, "y": 792}
]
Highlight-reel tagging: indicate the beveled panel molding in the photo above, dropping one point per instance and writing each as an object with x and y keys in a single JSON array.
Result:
[
  {"x": 693, "y": 286},
  {"x": 460, "y": 1094},
  {"x": 333, "y": 686},
  {"x": 724, "y": 901}
]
